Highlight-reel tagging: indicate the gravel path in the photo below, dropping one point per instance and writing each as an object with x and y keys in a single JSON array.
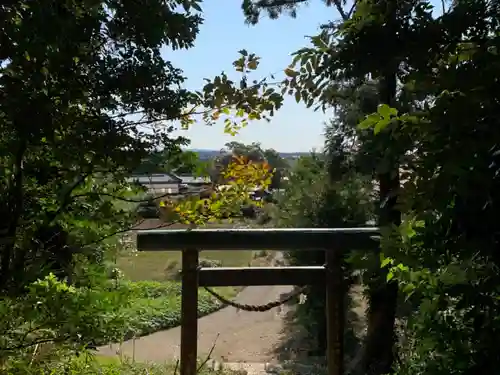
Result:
[{"x": 242, "y": 336}]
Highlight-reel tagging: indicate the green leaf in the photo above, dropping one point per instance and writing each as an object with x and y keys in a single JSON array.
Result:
[
  {"x": 419, "y": 224},
  {"x": 369, "y": 121},
  {"x": 408, "y": 288},
  {"x": 402, "y": 267},
  {"x": 390, "y": 276},
  {"x": 385, "y": 262},
  {"x": 409, "y": 118},
  {"x": 196, "y": 6},
  {"x": 386, "y": 112},
  {"x": 381, "y": 125}
]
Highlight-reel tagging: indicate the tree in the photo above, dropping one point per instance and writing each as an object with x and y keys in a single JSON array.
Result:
[
  {"x": 452, "y": 249},
  {"x": 86, "y": 96},
  {"x": 186, "y": 163},
  {"x": 80, "y": 69},
  {"x": 313, "y": 199},
  {"x": 175, "y": 161},
  {"x": 254, "y": 153},
  {"x": 443, "y": 101},
  {"x": 333, "y": 62}
]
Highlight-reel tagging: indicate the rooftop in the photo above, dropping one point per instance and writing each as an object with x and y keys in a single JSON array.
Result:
[
  {"x": 157, "y": 178},
  {"x": 195, "y": 180}
]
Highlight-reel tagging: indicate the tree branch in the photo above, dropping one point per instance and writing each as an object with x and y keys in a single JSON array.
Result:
[
  {"x": 15, "y": 204},
  {"x": 36, "y": 342},
  {"x": 340, "y": 9},
  {"x": 278, "y": 3},
  {"x": 66, "y": 199},
  {"x": 209, "y": 354}
]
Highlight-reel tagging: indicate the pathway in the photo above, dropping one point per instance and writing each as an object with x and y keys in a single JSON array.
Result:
[{"x": 239, "y": 336}]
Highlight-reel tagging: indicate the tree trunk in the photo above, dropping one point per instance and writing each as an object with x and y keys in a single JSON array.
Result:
[
  {"x": 383, "y": 297},
  {"x": 14, "y": 203}
]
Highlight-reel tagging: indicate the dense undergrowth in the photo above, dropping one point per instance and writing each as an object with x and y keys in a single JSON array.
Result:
[
  {"x": 87, "y": 94},
  {"x": 155, "y": 306},
  {"x": 56, "y": 319},
  {"x": 88, "y": 364}
]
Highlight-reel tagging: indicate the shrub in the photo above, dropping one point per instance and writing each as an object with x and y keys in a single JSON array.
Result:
[
  {"x": 87, "y": 364},
  {"x": 209, "y": 263},
  {"x": 151, "y": 315},
  {"x": 53, "y": 312},
  {"x": 151, "y": 289},
  {"x": 56, "y": 313},
  {"x": 156, "y": 306}
]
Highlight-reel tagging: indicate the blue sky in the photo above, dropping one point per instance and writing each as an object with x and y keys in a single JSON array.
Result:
[{"x": 223, "y": 34}]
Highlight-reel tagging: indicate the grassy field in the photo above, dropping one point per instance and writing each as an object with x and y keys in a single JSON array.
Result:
[
  {"x": 164, "y": 265},
  {"x": 161, "y": 266}
]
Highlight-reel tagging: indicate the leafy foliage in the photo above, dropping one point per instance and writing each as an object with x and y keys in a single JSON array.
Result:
[
  {"x": 86, "y": 97},
  {"x": 432, "y": 123},
  {"x": 54, "y": 312},
  {"x": 241, "y": 176},
  {"x": 416, "y": 100},
  {"x": 313, "y": 199},
  {"x": 276, "y": 164},
  {"x": 97, "y": 83}
]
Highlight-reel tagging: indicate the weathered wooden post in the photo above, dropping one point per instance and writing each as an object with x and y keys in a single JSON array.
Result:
[
  {"x": 189, "y": 312},
  {"x": 334, "y": 311}
]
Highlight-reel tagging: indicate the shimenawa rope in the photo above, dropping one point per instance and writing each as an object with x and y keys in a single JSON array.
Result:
[{"x": 256, "y": 308}]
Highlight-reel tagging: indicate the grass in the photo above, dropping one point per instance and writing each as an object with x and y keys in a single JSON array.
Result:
[
  {"x": 156, "y": 296},
  {"x": 160, "y": 266},
  {"x": 164, "y": 265},
  {"x": 156, "y": 306},
  {"x": 100, "y": 365}
]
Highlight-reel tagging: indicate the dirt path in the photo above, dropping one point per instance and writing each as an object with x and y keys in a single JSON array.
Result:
[{"x": 242, "y": 336}]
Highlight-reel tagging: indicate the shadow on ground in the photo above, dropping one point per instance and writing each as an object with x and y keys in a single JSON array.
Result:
[{"x": 297, "y": 350}]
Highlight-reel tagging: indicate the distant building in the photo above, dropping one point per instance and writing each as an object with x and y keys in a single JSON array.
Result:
[
  {"x": 159, "y": 183},
  {"x": 195, "y": 181}
]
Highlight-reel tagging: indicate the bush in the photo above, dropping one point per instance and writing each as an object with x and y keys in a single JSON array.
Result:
[
  {"x": 156, "y": 306},
  {"x": 53, "y": 313},
  {"x": 87, "y": 364},
  {"x": 210, "y": 263},
  {"x": 151, "y": 289}
]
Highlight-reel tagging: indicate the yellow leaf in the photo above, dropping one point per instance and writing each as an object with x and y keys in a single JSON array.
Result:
[
  {"x": 291, "y": 73},
  {"x": 253, "y": 64}
]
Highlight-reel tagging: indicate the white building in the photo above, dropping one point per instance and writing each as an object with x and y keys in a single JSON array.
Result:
[{"x": 159, "y": 183}]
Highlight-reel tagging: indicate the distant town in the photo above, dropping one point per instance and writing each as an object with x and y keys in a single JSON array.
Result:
[
  {"x": 205, "y": 154},
  {"x": 160, "y": 184}
]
